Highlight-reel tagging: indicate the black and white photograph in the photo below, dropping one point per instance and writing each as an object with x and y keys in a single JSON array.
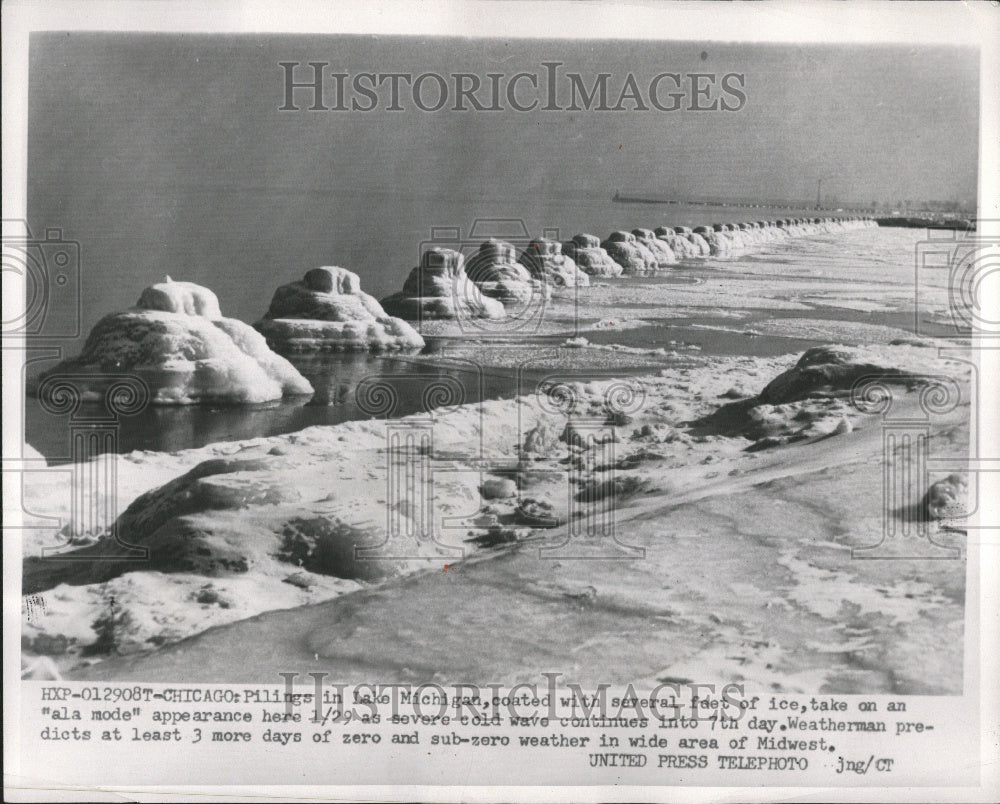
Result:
[{"x": 500, "y": 394}]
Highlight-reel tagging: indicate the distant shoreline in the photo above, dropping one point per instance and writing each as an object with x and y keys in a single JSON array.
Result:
[
  {"x": 618, "y": 198},
  {"x": 903, "y": 221},
  {"x": 958, "y": 224}
]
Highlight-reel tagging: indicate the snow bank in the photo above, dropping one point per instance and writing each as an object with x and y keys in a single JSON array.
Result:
[{"x": 831, "y": 386}]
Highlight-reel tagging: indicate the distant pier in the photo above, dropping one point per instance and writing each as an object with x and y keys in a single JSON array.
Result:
[
  {"x": 620, "y": 198},
  {"x": 957, "y": 224}
]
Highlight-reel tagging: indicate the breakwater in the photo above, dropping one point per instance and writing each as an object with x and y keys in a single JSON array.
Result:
[
  {"x": 487, "y": 281},
  {"x": 957, "y": 224},
  {"x": 176, "y": 341}
]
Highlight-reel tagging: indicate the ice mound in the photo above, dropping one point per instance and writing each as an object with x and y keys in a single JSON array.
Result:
[
  {"x": 186, "y": 298},
  {"x": 496, "y": 272},
  {"x": 29, "y": 453},
  {"x": 699, "y": 246},
  {"x": 753, "y": 235},
  {"x": 300, "y": 491},
  {"x": 272, "y": 527},
  {"x": 586, "y": 251},
  {"x": 681, "y": 247},
  {"x": 440, "y": 288},
  {"x": 326, "y": 311},
  {"x": 41, "y": 668},
  {"x": 947, "y": 498},
  {"x": 545, "y": 261},
  {"x": 665, "y": 256},
  {"x": 634, "y": 258},
  {"x": 829, "y": 370},
  {"x": 236, "y": 515},
  {"x": 804, "y": 227},
  {"x": 176, "y": 340},
  {"x": 718, "y": 244},
  {"x": 825, "y": 391}
]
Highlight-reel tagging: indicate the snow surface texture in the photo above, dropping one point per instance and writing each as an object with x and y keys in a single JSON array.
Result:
[
  {"x": 326, "y": 311},
  {"x": 440, "y": 288},
  {"x": 241, "y": 528},
  {"x": 176, "y": 340}
]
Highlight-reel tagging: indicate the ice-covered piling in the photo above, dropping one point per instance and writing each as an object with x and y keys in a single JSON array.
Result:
[
  {"x": 634, "y": 258},
  {"x": 440, "y": 288},
  {"x": 178, "y": 342},
  {"x": 326, "y": 311},
  {"x": 719, "y": 239},
  {"x": 661, "y": 250},
  {"x": 546, "y": 262},
  {"x": 590, "y": 257},
  {"x": 495, "y": 270}
]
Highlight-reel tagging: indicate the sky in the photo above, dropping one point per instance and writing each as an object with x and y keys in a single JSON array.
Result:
[
  {"x": 170, "y": 154},
  {"x": 885, "y": 121}
]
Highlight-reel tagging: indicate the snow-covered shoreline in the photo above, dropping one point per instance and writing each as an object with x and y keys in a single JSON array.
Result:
[{"x": 249, "y": 531}]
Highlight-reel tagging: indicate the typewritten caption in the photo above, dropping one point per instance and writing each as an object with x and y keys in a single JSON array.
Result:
[{"x": 675, "y": 734}]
